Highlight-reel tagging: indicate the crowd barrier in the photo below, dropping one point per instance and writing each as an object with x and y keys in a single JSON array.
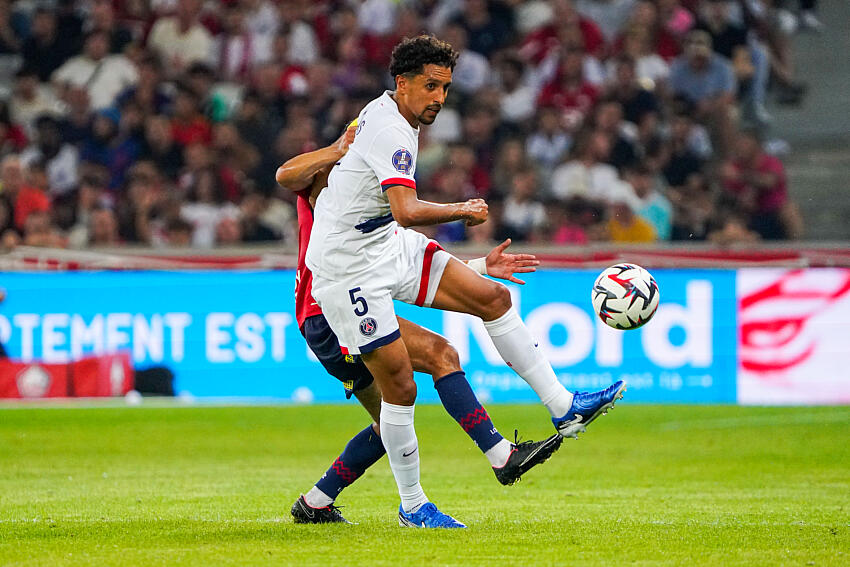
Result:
[{"x": 746, "y": 335}]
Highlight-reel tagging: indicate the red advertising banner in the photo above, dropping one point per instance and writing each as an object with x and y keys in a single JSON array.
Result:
[
  {"x": 99, "y": 376},
  {"x": 793, "y": 340},
  {"x": 31, "y": 380}
]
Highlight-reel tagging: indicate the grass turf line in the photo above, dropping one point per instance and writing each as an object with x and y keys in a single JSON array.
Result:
[{"x": 647, "y": 485}]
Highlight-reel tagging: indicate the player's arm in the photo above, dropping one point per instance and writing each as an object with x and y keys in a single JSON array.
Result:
[
  {"x": 409, "y": 210},
  {"x": 298, "y": 172}
]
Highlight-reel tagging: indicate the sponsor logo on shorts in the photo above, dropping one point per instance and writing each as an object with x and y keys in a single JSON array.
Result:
[
  {"x": 349, "y": 358},
  {"x": 368, "y": 326},
  {"x": 403, "y": 161},
  {"x": 348, "y": 384}
]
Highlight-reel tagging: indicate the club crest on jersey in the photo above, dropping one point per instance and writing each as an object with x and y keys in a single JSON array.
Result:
[
  {"x": 403, "y": 161},
  {"x": 368, "y": 326}
]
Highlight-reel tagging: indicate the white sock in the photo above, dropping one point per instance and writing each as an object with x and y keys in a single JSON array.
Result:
[
  {"x": 498, "y": 454},
  {"x": 317, "y": 499},
  {"x": 518, "y": 348},
  {"x": 399, "y": 438}
]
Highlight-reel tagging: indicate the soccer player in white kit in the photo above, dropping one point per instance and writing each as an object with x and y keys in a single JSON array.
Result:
[{"x": 362, "y": 257}]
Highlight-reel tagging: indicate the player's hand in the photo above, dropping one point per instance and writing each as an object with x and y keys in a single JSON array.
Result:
[
  {"x": 346, "y": 139},
  {"x": 475, "y": 211},
  {"x": 504, "y": 266}
]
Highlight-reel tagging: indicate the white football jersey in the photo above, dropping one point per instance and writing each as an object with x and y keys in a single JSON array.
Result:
[{"x": 353, "y": 225}]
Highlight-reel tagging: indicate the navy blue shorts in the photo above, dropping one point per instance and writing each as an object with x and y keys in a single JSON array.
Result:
[{"x": 347, "y": 368}]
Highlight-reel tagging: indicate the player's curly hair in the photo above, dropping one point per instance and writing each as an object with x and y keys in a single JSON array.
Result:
[{"x": 413, "y": 53}]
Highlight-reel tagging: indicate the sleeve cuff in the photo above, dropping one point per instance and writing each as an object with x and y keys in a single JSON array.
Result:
[{"x": 387, "y": 183}]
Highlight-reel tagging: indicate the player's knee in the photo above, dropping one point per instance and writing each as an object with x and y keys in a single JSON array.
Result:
[
  {"x": 404, "y": 392},
  {"x": 445, "y": 358},
  {"x": 495, "y": 302}
]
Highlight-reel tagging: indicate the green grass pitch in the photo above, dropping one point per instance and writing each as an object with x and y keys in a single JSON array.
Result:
[{"x": 646, "y": 485}]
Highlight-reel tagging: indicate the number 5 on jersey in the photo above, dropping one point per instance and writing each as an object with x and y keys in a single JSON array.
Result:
[{"x": 363, "y": 308}]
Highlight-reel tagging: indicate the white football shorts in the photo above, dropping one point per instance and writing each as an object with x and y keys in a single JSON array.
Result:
[{"x": 360, "y": 308}]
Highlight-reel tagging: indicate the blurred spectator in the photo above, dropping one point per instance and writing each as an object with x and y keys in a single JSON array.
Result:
[
  {"x": 608, "y": 118},
  {"x": 11, "y": 38},
  {"x": 510, "y": 160},
  {"x": 524, "y": 216},
  {"x": 188, "y": 125},
  {"x": 624, "y": 225},
  {"x": 661, "y": 37},
  {"x": 253, "y": 228},
  {"x": 201, "y": 80},
  {"x": 38, "y": 230},
  {"x": 302, "y": 42},
  {"x": 76, "y": 213},
  {"x": 637, "y": 101},
  {"x": 569, "y": 91},
  {"x": 706, "y": 80},
  {"x": 102, "y": 18},
  {"x": 693, "y": 208},
  {"x": 61, "y": 160},
  {"x": 472, "y": 70},
  {"x": 111, "y": 147},
  {"x": 757, "y": 180},
  {"x": 181, "y": 39},
  {"x": 489, "y": 25},
  {"x": 684, "y": 159},
  {"x": 148, "y": 92},
  {"x": 103, "y": 228},
  {"x": 549, "y": 143},
  {"x": 178, "y": 233},
  {"x": 22, "y": 198},
  {"x": 159, "y": 146},
  {"x": 12, "y": 137},
  {"x": 749, "y": 60},
  {"x": 609, "y": 15},
  {"x": 565, "y": 221},
  {"x": 30, "y": 99},
  {"x": 564, "y": 20},
  {"x": 517, "y": 97},
  {"x": 237, "y": 48},
  {"x": 206, "y": 207},
  {"x": 651, "y": 204},
  {"x": 104, "y": 76},
  {"x": 648, "y": 67},
  {"x": 44, "y": 51},
  {"x": 587, "y": 175}
]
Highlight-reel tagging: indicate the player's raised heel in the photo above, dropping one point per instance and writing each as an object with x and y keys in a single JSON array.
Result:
[
  {"x": 427, "y": 517},
  {"x": 526, "y": 455},
  {"x": 586, "y": 407},
  {"x": 303, "y": 513}
]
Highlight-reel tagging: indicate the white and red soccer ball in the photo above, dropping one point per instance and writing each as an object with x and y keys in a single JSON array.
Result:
[{"x": 625, "y": 296}]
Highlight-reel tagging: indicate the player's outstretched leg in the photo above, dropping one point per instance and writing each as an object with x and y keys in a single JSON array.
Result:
[
  {"x": 364, "y": 450},
  {"x": 433, "y": 354},
  {"x": 461, "y": 289},
  {"x": 317, "y": 506}
]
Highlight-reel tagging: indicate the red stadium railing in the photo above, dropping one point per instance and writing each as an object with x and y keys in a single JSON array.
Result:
[{"x": 797, "y": 255}]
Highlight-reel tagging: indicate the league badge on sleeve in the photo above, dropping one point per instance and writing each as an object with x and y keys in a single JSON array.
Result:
[{"x": 403, "y": 161}]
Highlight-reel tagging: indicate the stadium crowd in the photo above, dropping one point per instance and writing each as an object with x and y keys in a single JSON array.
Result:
[{"x": 162, "y": 122}]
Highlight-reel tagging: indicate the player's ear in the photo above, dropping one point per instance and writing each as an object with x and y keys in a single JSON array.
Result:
[{"x": 400, "y": 83}]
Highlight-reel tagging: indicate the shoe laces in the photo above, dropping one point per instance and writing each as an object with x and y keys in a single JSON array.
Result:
[{"x": 517, "y": 442}]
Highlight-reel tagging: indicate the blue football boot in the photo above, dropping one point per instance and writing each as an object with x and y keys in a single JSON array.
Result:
[
  {"x": 427, "y": 517},
  {"x": 586, "y": 407}
]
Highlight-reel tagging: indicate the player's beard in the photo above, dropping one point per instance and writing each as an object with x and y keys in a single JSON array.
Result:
[{"x": 428, "y": 117}]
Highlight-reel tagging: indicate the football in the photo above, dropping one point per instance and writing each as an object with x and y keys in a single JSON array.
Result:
[{"x": 625, "y": 296}]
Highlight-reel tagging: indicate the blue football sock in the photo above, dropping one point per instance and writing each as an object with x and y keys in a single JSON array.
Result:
[
  {"x": 362, "y": 452},
  {"x": 460, "y": 401}
]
